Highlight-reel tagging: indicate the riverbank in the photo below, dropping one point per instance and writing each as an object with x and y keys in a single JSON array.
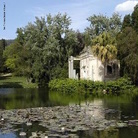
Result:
[
  {"x": 9, "y": 81},
  {"x": 87, "y": 86}
]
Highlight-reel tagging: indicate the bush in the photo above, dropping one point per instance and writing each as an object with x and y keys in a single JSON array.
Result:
[
  {"x": 83, "y": 86},
  {"x": 119, "y": 85}
]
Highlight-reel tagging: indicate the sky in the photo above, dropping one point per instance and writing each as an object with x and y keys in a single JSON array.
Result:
[{"x": 18, "y": 13}]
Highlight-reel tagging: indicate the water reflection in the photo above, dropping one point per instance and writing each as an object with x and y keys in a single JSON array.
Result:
[
  {"x": 27, "y": 98},
  {"x": 115, "y": 108},
  {"x": 108, "y": 133},
  {"x": 23, "y": 98},
  {"x": 9, "y": 135}
]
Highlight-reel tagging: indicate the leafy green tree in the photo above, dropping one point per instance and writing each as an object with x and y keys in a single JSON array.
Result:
[
  {"x": 101, "y": 23},
  {"x": 49, "y": 43},
  {"x": 128, "y": 53},
  {"x": 87, "y": 38},
  {"x": 131, "y": 20},
  {"x": 11, "y": 55},
  {"x": 127, "y": 44},
  {"x": 2, "y": 47},
  {"x": 127, "y": 21},
  {"x": 134, "y": 17},
  {"x": 15, "y": 58}
]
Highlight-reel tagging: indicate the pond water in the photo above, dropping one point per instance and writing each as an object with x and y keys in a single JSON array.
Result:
[{"x": 122, "y": 109}]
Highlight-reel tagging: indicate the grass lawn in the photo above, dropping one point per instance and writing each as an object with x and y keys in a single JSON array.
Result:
[{"x": 9, "y": 81}]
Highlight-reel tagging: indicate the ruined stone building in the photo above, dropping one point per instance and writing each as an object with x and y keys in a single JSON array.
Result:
[{"x": 90, "y": 67}]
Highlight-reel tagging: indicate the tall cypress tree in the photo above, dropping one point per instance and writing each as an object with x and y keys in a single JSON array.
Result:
[
  {"x": 134, "y": 17},
  {"x": 127, "y": 21},
  {"x": 2, "y": 47},
  {"x": 127, "y": 44}
]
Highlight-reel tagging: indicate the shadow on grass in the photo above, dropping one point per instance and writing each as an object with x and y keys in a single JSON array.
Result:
[
  {"x": 4, "y": 77},
  {"x": 8, "y": 83},
  {"x": 11, "y": 85}
]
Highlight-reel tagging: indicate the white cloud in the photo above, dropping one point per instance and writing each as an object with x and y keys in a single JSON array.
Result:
[{"x": 127, "y": 6}]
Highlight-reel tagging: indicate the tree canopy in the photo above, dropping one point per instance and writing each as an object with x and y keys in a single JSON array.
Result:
[
  {"x": 48, "y": 43},
  {"x": 42, "y": 48},
  {"x": 127, "y": 44},
  {"x": 2, "y": 47},
  {"x": 101, "y": 23},
  {"x": 128, "y": 52}
]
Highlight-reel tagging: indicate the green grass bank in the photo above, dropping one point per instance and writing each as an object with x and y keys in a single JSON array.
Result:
[{"x": 9, "y": 81}]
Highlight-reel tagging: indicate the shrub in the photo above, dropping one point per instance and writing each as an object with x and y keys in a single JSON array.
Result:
[{"x": 83, "y": 86}]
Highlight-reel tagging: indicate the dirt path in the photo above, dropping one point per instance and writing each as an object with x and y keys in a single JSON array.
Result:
[{"x": 6, "y": 75}]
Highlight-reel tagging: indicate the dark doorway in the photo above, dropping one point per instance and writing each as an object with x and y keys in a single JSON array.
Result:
[
  {"x": 76, "y": 65},
  {"x": 109, "y": 69}
]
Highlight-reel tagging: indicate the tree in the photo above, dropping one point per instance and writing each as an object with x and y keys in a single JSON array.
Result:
[
  {"x": 128, "y": 52},
  {"x": 131, "y": 20},
  {"x": 127, "y": 21},
  {"x": 104, "y": 39},
  {"x": 127, "y": 44},
  {"x": 15, "y": 58},
  {"x": 2, "y": 47},
  {"x": 134, "y": 17},
  {"x": 104, "y": 48},
  {"x": 49, "y": 42},
  {"x": 101, "y": 23}
]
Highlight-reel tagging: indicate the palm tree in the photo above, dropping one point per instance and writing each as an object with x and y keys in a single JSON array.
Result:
[{"x": 104, "y": 49}]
